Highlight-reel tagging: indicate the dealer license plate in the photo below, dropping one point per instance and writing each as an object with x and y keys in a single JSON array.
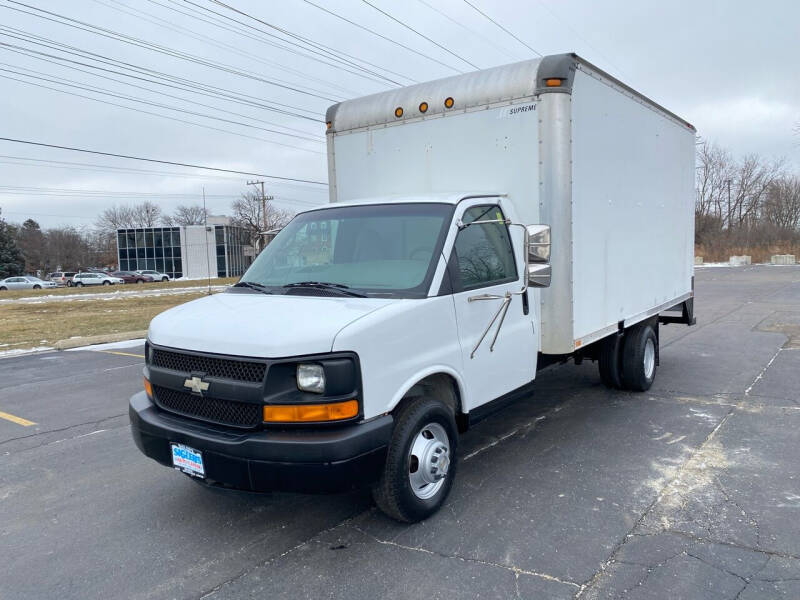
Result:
[{"x": 188, "y": 460}]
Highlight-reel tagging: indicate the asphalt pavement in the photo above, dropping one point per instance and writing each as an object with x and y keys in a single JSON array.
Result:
[{"x": 691, "y": 490}]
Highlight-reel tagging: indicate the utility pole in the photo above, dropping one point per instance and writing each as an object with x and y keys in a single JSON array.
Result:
[
  {"x": 264, "y": 199},
  {"x": 205, "y": 226}
]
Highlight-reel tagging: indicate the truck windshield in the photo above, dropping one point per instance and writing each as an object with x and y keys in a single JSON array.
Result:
[{"x": 376, "y": 250}]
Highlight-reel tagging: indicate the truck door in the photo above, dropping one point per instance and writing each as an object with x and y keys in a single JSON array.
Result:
[{"x": 483, "y": 268}]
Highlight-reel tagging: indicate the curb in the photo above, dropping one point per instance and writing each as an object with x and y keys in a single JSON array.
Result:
[{"x": 90, "y": 340}]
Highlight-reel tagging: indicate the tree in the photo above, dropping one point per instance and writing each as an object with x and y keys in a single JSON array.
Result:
[
  {"x": 11, "y": 260},
  {"x": 247, "y": 213},
  {"x": 68, "y": 249},
  {"x": 188, "y": 215},
  {"x": 31, "y": 242},
  {"x": 146, "y": 214}
]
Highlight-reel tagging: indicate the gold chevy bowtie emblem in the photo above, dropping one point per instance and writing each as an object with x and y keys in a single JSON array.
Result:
[{"x": 197, "y": 385}]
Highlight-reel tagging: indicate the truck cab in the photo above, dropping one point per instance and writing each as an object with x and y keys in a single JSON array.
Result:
[{"x": 374, "y": 330}]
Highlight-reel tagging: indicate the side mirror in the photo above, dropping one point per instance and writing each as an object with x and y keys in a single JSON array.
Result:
[{"x": 537, "y": 255}]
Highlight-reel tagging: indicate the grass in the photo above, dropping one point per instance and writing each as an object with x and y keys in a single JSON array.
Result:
[
  {"x": 30, "y": 325},
  {"x": 115, "y": 288}
]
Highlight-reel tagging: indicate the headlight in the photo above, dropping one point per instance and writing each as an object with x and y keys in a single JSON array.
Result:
[{"x": 311, "y": 378}]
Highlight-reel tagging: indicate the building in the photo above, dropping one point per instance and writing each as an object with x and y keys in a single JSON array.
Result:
[{"x": 193, "y": 251}]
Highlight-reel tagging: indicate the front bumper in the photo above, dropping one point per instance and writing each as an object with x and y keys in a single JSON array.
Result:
[{"x": 298, "y": 460}]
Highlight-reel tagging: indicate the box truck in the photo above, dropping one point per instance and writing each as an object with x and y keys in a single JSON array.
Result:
[{"x": 480, "y": 228}]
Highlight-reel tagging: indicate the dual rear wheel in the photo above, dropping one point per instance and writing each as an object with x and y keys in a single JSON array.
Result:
[{"x": 628, "y": 361}]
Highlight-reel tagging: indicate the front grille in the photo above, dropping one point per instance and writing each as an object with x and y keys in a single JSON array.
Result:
[
  {"x": 215, "y": 410},
  {"x": 224, "y": 368}
]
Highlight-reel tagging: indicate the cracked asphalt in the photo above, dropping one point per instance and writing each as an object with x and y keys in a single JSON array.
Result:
[{"x": 689, "y": 491}]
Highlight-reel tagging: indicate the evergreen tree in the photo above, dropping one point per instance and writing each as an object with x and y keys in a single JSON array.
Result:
[{"x": 11, "y": 262}]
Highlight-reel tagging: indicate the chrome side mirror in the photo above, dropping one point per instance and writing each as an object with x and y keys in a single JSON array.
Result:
[{"x": 537, "y": 255}]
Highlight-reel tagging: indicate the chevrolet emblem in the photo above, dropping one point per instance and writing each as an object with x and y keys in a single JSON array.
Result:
[{"x": 197, "y": 385}]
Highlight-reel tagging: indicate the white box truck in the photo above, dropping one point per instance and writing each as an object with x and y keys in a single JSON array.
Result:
[{"x": 480, "y": 228}]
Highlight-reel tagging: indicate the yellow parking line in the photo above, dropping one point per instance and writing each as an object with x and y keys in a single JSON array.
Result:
[
  {"x": 15, "y": 419},
  {"x": 122, "y": 353}
]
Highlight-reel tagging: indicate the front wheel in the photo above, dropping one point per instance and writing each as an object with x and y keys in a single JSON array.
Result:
[
  {"x": 79, "y": 284},
  {"x": 639, "y": 358},
  {"x": 140, "y": 281},
  {"x": 165, "y": 279},
  {"x": 37, "y": 287},
  {"x": 106, "y": 283},
  {"x": 420, "y": 463}
]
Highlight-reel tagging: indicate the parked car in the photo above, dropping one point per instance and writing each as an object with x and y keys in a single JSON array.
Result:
[
  {"x": 155, "y": 275},
  {"x": 82, "y": 279},
  {"x": 131, "y": 277},
  {"x": 25, "y": 282},
  {"x": 62, "y": 277}
]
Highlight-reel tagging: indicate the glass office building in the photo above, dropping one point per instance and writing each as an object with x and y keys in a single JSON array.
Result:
[
  {"x": 190, "y": 251},
  {"x": 152, "y": 248}
]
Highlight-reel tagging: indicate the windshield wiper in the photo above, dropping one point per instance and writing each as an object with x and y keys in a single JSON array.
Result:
[
  {"x": 253, "y": 286},
  {"x": 339, "y": 287}
]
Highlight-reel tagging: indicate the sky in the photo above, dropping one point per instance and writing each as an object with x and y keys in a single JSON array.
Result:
[{"x": 196, "y": 82}]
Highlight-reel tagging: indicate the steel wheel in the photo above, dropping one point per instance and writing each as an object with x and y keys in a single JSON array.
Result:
[
  {"x": 649, "y": 358},
  {"x": 428, "y": 461}
]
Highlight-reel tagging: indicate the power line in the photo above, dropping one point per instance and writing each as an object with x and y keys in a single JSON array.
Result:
[
  {"x": 190, "y": 101},
  {"x": 316, "y": 47},
  {"x": 163, "y": 162},
  {"x": 190, "y": 85},
  {"x": 112, "y": 93},
  {"x": 147, "y": 112},
  {"x": 383, "y": 37},
  {"x": 503, "y": 28},
  {"x": 78, "y": 166},
  {"x": 422, "y": 35},
  {"x": 469, "y": 30},
  {"x": 120, "y": 37},
  {"x": 151, "y": 18}
]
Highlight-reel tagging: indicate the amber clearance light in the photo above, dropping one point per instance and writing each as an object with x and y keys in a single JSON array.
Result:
[
  {"x": 308, "y": 413},
  {"x": 553, "y": 82}
]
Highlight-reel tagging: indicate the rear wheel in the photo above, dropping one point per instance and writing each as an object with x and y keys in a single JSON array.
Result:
[
  {"x": 140, "y": 281},
  {"x": 37, "y": 287},
  {"x": 610, "y": 361},
  {"x": 79, "y": 284},
  {"x": 420, "y": 463},
  {"x": 639, "y": 358},
  {"x": 3, "y": 288}
]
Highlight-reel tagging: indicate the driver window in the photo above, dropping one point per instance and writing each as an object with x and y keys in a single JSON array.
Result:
[{"x": 483, "y": 253}]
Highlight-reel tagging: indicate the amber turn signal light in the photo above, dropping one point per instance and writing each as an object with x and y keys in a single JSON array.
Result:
[
  {"x": 148, "y": 388},
  {"x": 310, "y": 413},
  {"x": 553, "y": 82}
]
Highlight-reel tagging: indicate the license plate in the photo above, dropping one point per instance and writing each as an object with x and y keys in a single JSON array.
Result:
[{"x": 188, "y": 460}]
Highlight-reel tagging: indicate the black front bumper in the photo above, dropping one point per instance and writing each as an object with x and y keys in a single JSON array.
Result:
[{"x": 298, "y": 460}]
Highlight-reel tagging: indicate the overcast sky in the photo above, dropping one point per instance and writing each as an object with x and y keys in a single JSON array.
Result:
[{"x": 730, "y": 68}]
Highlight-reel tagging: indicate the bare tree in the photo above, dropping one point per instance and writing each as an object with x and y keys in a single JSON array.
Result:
[
  {"x": 248, "y": 213},
  {"x": 146, "y": 214},
  {"x": 31, "y": 242},
  {"x": 782, "y": 205},
  {"x": 116, "y": 217},
  {"x": 188, "y": 215}
]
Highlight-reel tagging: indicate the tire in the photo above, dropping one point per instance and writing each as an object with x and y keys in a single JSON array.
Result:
[
  {"x": 79, "y": 284},
  {"x": 610, "y": 361},
  {"x": 639, "y": 354},
  {"x": 106, "y": 283},
  {"x": 37, "y": 287},
  {"x": 140, "y": 281},
  {"x": 69, "y": 284},
  {"x": 3, "y": 288},
  {"x": 405, "y": 491},
  {"x": 165, "y": 279}
]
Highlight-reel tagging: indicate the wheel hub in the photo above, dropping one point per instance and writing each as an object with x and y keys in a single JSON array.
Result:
[
  {"x": 429, "y": 460},
  {"x": 649, "y": 358}
]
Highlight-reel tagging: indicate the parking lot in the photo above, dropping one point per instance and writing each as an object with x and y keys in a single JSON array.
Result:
[{"x": 689, "y": 491}]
